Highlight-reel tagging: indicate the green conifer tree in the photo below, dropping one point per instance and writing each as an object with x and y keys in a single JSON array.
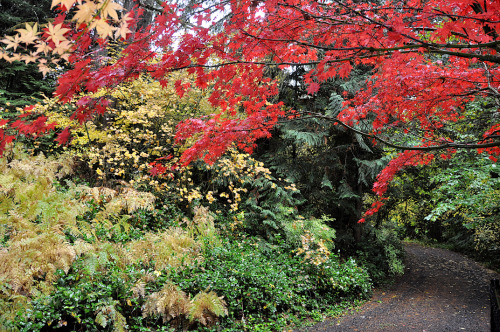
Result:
[{"x": 19, "y": 82}]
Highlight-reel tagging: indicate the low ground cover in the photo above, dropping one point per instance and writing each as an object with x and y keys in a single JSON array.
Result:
[{"x": 77, "y": 257}]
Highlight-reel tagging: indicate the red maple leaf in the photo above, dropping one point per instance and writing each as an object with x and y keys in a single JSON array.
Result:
[
  {"x": 64, "y": 136},
  {"x": 423, "y": 76}
]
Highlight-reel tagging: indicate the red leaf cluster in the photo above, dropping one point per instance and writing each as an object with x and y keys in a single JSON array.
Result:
[{"x": 428, "y": 60}]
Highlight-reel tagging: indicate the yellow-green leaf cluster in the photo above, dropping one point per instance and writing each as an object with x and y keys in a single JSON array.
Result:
[{"x": 139, "y": 128}]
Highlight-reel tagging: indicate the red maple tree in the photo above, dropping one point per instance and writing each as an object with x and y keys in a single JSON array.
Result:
[{"x": 429, "y": 61}]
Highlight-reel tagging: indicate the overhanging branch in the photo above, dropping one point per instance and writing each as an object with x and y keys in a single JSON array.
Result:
[{"x": 449, "y": 145}]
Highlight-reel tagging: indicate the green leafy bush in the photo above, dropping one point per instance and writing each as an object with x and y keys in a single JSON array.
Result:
[
  {"x": 117, "y": 259},
  {"x": 259, "y": 287},
  {"x": 380, "y": 251},
  {"x": 79, "y": 300},
  {"x": 452, "y": 203},
  {"x": 238, "y": 278}
]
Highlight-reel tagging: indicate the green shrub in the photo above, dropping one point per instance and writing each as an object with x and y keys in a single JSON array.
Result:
[
  {"x": 77, "y": 300},
  {"x": 381, "y": 252},
  {"x": 261, "y": 287},
  {"x": 120, "y": 259},
  {"x": 256, "y": 288}
]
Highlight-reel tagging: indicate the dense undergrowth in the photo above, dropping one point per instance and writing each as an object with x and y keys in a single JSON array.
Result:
[
  {"x": 76, "y": 257},
  {"x": 109, "y": 233}
]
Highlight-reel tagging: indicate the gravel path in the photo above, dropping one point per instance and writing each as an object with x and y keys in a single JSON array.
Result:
[{"x": 440, "y": 291}]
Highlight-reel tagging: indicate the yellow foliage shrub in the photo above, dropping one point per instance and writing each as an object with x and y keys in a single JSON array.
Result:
[{"x": 139, "y": 129}]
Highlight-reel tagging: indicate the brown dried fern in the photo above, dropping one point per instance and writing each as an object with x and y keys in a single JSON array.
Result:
[
  {"x": 33, "y": 261},
  {"x": 172, "y": 304},
  {"x": 169, "y": 303}
]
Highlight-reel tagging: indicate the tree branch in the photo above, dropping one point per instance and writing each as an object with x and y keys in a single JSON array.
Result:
[{"x": 450, "y": 145}]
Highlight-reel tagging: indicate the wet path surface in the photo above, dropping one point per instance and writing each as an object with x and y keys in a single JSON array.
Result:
[{"x": 440, "y": 291}]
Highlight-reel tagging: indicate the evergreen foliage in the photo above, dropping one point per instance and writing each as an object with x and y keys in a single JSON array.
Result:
[
  {"x": 333, "y": 168},
  {"x": 22, "y": 84}
]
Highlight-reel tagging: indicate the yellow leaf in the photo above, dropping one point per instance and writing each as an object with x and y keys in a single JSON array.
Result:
[
  {"x": 28, "y": 35},
  {"x": 65, "y": 56},
  {"x": 63, "y": 47},
  {"x": 29, "y": 58},
  {"x": 56, "y": 33},
  {"x": 122, "y": 31},
  {"x": 11, "y": 42},
  {"x": 104, "y": 30},
  {"x": 85, "y": 12},
  {"x": 14, "y": 57},
  {"x": 109, "y": 8},
  {"x": 43, "y": 47},
  {"x": 67, "y": 4},
  {"x": 43, "y": 69}
]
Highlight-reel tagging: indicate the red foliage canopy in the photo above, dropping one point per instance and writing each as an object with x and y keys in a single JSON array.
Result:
[{"x": 429, "y": 59}]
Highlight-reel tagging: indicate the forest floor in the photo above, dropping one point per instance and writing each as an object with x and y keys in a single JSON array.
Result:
[{"x": 440, "y": 291}]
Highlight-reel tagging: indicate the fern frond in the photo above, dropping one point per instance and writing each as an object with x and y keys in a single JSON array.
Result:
[
  {"x": 81, "y": 247},
  {"x": 97, "y": 193},
  {"x": 139, "y": 289},
  {"x": 135, "y": 200},
  {"x": 335, "y": 105},
  {"x": 174, "y": 247},
  {"x": 170, "y": 302},
  {"x": 28, "y": 194},
  {"x": 206, "y": 308},
  {"x": 107, "y": 313},
  {"x": 127, "y": 199},
  {"x": 368, "y": 169},
  {"x": 34, "y": 258},
  {"x": 39, "y": 166},
  {"x": 202, "y": 226},
  {"x": 305, "y": 137},
  {"x": 361, "y": 141}
]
